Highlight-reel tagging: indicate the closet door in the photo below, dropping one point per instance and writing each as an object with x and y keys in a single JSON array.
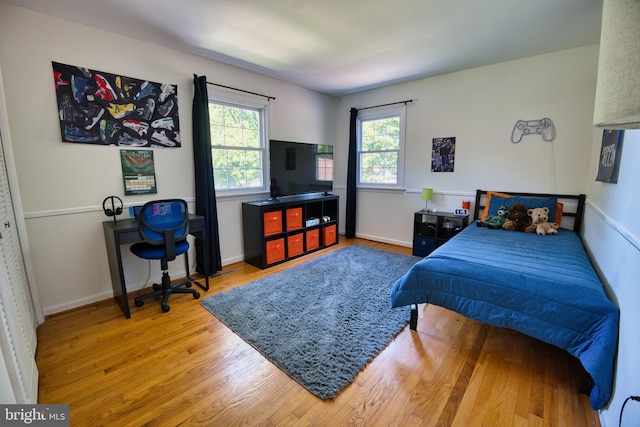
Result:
[{"x": 18, "y": 322}]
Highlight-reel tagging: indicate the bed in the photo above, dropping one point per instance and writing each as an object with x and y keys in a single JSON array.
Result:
[{"x": 542, "y": 286}]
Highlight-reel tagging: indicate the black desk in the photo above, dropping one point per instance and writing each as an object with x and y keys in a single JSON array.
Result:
[{"x": 126, "y": 231}]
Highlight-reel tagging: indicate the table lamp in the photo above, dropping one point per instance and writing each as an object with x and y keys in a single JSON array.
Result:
[{"x": 427, "y": 194}]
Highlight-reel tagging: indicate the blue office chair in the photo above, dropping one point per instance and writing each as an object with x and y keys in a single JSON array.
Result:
[{"x": 164, "y": 226}]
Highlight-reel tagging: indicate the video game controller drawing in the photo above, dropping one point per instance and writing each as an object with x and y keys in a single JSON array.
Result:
[{"x": 542, "y": 127}]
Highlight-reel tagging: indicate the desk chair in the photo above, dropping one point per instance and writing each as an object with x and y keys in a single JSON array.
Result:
[{"x": 164, "y": 226}]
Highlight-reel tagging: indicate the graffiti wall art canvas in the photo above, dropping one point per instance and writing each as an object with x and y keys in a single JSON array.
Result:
[
  {"x": 443, "y": 154},
  {"x": 100, "y": 108}
]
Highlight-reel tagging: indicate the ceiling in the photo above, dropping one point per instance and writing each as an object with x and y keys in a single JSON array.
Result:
[{"x": 344, "y": 46}]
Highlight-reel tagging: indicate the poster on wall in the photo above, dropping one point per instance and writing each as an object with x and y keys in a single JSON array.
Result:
[
  {"x": 99, "y": 108},
  {"x": 610, "y": 153},
  {"x": 138, "y": 172},
  {"x": 443, "y": 154}
]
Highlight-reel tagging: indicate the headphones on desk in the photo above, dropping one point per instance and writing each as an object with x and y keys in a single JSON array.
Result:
[{"x": 114, "y": 210}]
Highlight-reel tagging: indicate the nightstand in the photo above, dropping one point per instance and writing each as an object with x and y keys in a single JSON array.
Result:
[{"x": 433, "y": 229}]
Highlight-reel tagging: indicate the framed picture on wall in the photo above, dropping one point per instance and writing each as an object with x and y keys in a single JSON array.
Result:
[
  {"x": 443, "y": 154},
  {"x": 138, "y": 172},
  {"x": 610, "y": 154}
]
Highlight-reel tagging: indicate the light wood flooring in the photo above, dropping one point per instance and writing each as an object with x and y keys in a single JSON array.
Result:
[{"x": 186, "y": 368}]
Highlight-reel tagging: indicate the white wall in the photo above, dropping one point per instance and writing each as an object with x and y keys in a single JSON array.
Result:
[
  {"x": 480, "y": 108},
  {"x": 612, "y": 235},
  {"x": 63, "y": 184}
]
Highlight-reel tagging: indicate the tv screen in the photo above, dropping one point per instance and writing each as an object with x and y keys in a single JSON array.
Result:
[{"x": 300, "y": 168}]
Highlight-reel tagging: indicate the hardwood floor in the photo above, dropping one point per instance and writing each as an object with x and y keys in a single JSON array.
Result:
[{"x": 186, "y": 368}]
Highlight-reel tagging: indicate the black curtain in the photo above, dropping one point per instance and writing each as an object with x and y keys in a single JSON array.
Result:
[
  {"x": 350, "y": 224},
  {"x": 205, "y": 188}
]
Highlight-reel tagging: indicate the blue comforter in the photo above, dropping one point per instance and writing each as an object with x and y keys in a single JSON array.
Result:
[{"x": 542, "y": 286}]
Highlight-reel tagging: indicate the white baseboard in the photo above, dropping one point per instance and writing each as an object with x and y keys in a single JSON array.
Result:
[
  {"x": 384, "y": 240},
  {"x": 68, "y": 305}
]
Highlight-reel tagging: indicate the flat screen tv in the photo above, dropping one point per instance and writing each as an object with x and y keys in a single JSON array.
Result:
[{"x": 300, "y": 168}]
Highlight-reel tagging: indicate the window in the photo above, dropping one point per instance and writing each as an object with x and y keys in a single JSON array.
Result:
[
  {"x": 238, "y": 145},
  {"x": 381, "y": 147},
  {"x": 324, "y": 162}
]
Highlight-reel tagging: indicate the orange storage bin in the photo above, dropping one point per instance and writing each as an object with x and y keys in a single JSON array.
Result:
[
  {"x": 329, "y": 235},
  {"x": 294, "y": 218},
  {"x": 272, "y": 222},
  {"x": 313, "y": 239},
  {"x": 295, "y": 244},
  {"x": 275, "y": 250}
]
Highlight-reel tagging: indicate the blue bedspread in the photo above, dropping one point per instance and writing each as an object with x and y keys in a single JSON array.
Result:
[{"x": 542, "y": 286}]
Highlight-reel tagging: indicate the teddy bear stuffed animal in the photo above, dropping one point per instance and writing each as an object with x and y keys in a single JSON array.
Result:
[
  {"x": 539, "y": 222},
  {"x": 519, "y": 220},
  {"x": 496, "y": 221}
]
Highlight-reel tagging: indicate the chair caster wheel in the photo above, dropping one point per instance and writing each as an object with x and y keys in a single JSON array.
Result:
[
  {"x": 196, "y": 295},
  {"x": 188, "y": 284},
  {"x": 156, "y": 287},
  {"x": 165, "y": 307},
  {"x": 139, "y": 303}
]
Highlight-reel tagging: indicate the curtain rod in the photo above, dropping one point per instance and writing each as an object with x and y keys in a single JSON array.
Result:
[
  {"x": 241, "y": 90},
  {"x": 384, "y": 105}
]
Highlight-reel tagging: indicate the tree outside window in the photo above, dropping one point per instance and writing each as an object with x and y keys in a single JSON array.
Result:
[
  {"x": 238, "y": 146},
  {"x": 380, "y": 148}
]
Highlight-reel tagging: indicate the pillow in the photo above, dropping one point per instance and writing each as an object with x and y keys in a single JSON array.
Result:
[
  {"x": 559, "y": 207},
  {"x": 495, "y": 200}
]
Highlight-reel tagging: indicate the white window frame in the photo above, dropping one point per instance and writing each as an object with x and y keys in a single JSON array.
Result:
[
  {"x": 247, "y": 102},
  {"x": 382, "y": 113}
]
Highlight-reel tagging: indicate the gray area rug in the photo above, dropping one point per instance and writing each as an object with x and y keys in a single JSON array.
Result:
[{"x": 320, "y": 322}]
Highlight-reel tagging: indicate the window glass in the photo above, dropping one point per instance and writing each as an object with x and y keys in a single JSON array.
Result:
[
  {"x": 381, "y": 147},
  {"x": 238, "y": 145}
]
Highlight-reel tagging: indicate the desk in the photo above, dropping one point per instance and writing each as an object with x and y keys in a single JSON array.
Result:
[{"x": 126, "y": 231}]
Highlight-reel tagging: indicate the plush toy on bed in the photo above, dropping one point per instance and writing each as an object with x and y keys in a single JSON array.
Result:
[
  {"x": 539, "y": 222},
  {"x": 496, "y": 221},
  {"x": 519, "y": 219}
]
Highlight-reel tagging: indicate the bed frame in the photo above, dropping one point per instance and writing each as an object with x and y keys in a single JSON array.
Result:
[
  {"x": 572, "y": 219},
  {"x": 573, "y": 210}
]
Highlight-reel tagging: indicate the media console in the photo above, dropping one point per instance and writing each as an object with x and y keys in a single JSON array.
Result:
[{"x": 278, "y": 230}]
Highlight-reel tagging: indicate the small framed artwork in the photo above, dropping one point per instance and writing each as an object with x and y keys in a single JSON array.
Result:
[
  {"x": 610, "y": 154},
  {"x": 443, "y": 154},
  {"x": 138, "y": 172}
]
